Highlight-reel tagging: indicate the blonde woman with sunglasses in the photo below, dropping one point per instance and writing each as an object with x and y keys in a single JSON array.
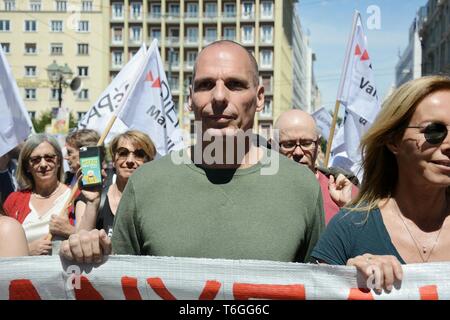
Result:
[
  {"x": 41, "y": 193},
  {"x": 129, "y": 151},
  {"x": 402, "y": 212}
]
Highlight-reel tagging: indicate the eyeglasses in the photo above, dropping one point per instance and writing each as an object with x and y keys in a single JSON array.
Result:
[
  {"x": 434, "y": 132},
  {"x": 303, "y": 144},
  {"x": 50, "y": 158},
  {"x": 123, "y": 154}
]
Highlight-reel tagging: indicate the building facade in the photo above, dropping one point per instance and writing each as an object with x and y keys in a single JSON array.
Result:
[
  {"x": 434, "y": 30},
  {"x": 36, "y": 33},
  {"x": 409, "y": 66}
]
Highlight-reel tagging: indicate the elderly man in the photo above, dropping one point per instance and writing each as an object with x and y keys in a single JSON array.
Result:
[
  {"x": 215, "y": 204},
  {"x": 298, "y": 139}
]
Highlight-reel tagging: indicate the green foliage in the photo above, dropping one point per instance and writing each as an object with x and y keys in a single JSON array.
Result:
[{"x": 45, "y": 119}]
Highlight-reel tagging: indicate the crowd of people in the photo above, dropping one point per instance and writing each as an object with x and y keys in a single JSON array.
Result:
[{"x": 397, "y": 214}]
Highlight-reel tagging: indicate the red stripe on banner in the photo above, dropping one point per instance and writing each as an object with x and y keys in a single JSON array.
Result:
[
  {"x": 360, "y": 294},
  {"x": 210, "y": 291},
  {"x": 428, "y": 293},
  {"x": 129, "y": 288},
  {"x": 245, "y": 291},
  {"x": 87, "y": 291},
  {"x": 22, "y": 289},
  {"x": 160, "y": 289}
]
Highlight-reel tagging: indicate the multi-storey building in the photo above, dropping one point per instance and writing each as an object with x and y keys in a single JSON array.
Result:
[
  {"x": 434, "y": 29},
  {"x": 184, "y": 27},
  {"x": 35, "y": 33},
  {"x": 409, "y": 66}
]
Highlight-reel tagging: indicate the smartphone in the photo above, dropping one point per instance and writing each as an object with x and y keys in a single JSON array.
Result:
[{"x": 91, "y": 166}]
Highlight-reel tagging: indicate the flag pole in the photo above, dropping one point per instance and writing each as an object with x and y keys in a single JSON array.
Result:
[
  {"x": 100, "y": 142},
  {"x": 356, "y": 15}
]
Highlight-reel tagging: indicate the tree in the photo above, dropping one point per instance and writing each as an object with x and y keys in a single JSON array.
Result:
[{"x": 45, "y": 118}]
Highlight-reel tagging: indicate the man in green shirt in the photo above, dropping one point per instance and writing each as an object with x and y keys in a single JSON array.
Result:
[{"x": 225, "y": 197}]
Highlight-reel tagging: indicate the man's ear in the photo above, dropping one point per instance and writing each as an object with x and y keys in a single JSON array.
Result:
[
  {"x": 260, "y": 98},
  {"x": 189, "y": 104}
]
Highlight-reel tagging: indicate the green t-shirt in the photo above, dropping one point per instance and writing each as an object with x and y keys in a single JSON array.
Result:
[{"x": 187, "y": 211}]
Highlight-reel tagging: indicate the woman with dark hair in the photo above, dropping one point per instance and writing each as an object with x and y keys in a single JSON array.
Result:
[
  {"x": 401, "y": 214},
  {"x": 129, "y": 151},
  {"x": 41, "y": 193}
]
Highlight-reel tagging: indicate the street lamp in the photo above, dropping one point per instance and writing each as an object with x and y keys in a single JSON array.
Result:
[{"x": 59, "y": 76}]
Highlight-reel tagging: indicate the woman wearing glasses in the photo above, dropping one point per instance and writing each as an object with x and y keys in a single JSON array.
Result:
[
  {"x": 129, "y": 150},
  {"x": 401, "y": 214},
  {"x": 41, "y": 195}
]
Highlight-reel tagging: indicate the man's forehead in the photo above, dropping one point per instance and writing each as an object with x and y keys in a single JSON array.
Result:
[{"x": 297, "y": 132}]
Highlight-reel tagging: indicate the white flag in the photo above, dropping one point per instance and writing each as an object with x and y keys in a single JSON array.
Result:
[
  {"x": 323, "y": 121},
  {"x": 150, "y": 107},
  {"x": 15, "y": 123},
  {"x": 98, "y": 116},
  {"x": 358, "y": 94}
]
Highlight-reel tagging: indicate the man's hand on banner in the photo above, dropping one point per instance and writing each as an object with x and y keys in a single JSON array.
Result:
[
  {"x": 381, "y": 272},
  {"x": 340, "y": 190},
  {"x": 86, "y": 246}
]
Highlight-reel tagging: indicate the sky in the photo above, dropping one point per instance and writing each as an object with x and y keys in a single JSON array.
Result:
[{"x": 329, "y": 24}]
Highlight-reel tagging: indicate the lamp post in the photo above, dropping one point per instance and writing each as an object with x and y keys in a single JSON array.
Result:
[{"x": 58, "y": 76}]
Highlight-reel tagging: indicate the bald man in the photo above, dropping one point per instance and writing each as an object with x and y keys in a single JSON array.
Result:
[
  {"x": 299, "y": 140},
  {"x": 219, "y": 208}
]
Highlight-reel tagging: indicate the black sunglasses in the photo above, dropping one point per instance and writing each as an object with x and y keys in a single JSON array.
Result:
[
  {"x": 138, "y": 153},
  {"x": 434, "y": 132},
  {"x": 50, "y": 158}
]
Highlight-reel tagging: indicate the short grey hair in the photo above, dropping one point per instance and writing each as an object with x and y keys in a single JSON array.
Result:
[{"x": 24, "y": 177}]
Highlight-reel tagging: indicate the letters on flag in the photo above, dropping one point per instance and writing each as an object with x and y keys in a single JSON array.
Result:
[
  {"x": 150, "y": 108},
  {"x": 358, "y": 94},
  {"x": 99, "y": 115},
  {"x": 15, "y": 123}
]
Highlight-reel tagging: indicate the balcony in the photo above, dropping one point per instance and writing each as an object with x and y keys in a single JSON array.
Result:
[
  {"x": 191, "y": 42},
  {"x": 116, "y": 42},
  {"x": 189, "y": 65},
  {"x": 173, "y": 17},
  {"x": 191, "y": 16},
  {"x": 154, "y": 17},
  {"x": 248, "y": 16},
  {"x": 208, "y": 40},
  {"x": 135, "y": 17},
  {"x": 117, "y": 18},
  {"x": 173, "y": 41},
  {"x": 134, "y": 42},
  {"x": 229, "y": 16},
  {"x": 266, "y": 41},
  {"x": 210, "y": 15}
]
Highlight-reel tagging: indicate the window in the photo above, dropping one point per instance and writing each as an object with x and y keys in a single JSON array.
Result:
[
  {"x": 155, "y": 33},
  {"x": 174, "y": 83},
  {"x": 56, "y": 49},
  {"x": 173, "y": 57},
  {"x": 247, "y": 34},
  {"x": 5, "y": 47},
  {"x": 117, "y": 11},
  {"x": 136, "y": 11},
  {"x": 267, "y": 83},
  {"x": 4, "y": 25},
  {"x": 211, "y": 34},
  {"x": 267, "y": 9},
  {"x": 35, "y": 5},
  {"x": 174, "y": 34},
  {"x": 266, "y": 34},
  {"x": 267, "y": 111},
  {"x": 86, "y": 6},
  {"x": 135, "y": 34},
  {"x": 174, "y": 10},
  {"x": 30, "y": 48},
  {"x": 117, "y": 57},
  {"x": 30, "y": 94},
  {"x": 61, "y": 5},
  {"x": 83, "y": 71},
  {"x": 192, "y": 34},
  {"x": 83, "y": 94},
  {"x": 80, "y": 114},
  {"x": 30, "y": 25},
  {"x": 117, "y": 35},
  {"x": 30, "y": 71},
  {"x": 56, "y": 26},
  {"x": 54, "y": 94},
  {"x": 247, "y": 10},
  {"x": 83, "y": 26},
  {"x": 229, "y": 10},
  {"x": 190, "y": 58},
  {"x": 10, "y": 5},
  {"x": 192, "y": 10},
  {"x": 266, "y": 58},
  {"x": 210, "y": 10},
  {"x": 83, "y": 49},
  {"x": 32, "y": 114},
  {"x": 155, "y": 10},
  {"x": 229, "y": 33}
]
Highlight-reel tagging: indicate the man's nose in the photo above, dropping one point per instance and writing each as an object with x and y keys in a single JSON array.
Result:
[
  {"x": 219, "y": 93},
  {"x": 298, "y": 151}
]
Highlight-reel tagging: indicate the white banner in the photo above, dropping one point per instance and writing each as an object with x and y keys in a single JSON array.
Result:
[
  {"x": 323, "y": 121},
  {"x": 15, "y": 123},
  {"x": 168, "y": 278},
  {"x": 99, "y": 115},
  {"x": 150, "y": 108}
]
